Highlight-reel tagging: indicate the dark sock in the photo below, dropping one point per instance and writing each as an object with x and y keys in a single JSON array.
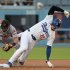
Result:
[{"x": 48, "y": 52}]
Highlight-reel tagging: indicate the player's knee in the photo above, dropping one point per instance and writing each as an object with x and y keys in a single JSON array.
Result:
[{"x": 22, "y": 49}]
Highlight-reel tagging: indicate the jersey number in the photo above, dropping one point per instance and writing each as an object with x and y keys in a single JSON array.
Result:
[{"x": 44, "y": 28}]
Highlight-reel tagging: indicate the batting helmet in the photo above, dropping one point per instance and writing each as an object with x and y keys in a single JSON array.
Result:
[
  {"x": 56, "y": 23},
  {"x": 5, "y": 25}
]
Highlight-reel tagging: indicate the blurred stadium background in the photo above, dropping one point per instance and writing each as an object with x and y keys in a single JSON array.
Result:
[{"x": 25, "y": 13}]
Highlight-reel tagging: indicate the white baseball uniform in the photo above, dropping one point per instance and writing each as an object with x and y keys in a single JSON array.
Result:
[{"x": 39, "y": 31}]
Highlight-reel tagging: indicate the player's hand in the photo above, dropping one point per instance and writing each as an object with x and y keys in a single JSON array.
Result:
[
  {"x": 6, "y": 47},
  {"x": 66, "y": 13}
]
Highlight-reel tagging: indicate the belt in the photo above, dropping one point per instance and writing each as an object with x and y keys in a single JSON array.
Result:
[{"x": 33, "y": 37}]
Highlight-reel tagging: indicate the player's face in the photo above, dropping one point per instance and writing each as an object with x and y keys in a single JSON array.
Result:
[
  {"x": 59, "y": 15},
  {"x": 5, "y": 27}
]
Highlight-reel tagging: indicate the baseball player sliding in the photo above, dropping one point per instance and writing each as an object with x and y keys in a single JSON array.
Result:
[{"x": 45, "y": 29}]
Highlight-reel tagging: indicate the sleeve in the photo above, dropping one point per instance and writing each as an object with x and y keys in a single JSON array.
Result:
[
  {"x": 51, "y": 39},
  {"x": 13, "y": 31},
  {"x": 55, "y": 8},
  {"x": 20, "y": 34}
]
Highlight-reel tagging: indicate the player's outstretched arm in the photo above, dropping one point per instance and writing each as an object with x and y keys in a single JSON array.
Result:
[
  {"x": 53, "y": 9},
  {"x": 58, "y": 9}
]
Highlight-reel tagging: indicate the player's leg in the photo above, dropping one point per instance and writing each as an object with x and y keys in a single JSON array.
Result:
[
  {"x": 22, "y": 49},
  {"x": 13, "y": 58},
  {"x": 48, "y": 53},
  {"x": 49, "y": 47},
  {"x": 24, "y": 56}
]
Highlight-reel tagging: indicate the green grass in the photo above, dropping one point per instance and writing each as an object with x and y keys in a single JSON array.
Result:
[
  {"x": 60, "y": 53},
  {"x": 39, "y": 53},
  {"x": 6, "y": 55}
]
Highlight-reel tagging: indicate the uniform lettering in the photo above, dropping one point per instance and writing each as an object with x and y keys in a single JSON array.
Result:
[{"x": 45, "y": 28}]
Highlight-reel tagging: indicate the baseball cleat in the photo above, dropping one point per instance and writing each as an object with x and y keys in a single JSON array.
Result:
[
  {"x": 50, "y": 65},
  {"x": 17, "y": 63},
  {"x": 21, "y": 63},
  {"x": 5, "y": 65}
]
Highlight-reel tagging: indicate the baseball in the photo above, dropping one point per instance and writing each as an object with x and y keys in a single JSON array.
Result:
[{"x": 39, "y": 5}]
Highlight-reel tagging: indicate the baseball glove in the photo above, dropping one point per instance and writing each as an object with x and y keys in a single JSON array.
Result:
[{"x": 6, "y": 47}]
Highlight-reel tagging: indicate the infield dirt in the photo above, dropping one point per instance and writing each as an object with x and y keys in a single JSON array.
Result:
[{"x": 40, "y": 65}]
